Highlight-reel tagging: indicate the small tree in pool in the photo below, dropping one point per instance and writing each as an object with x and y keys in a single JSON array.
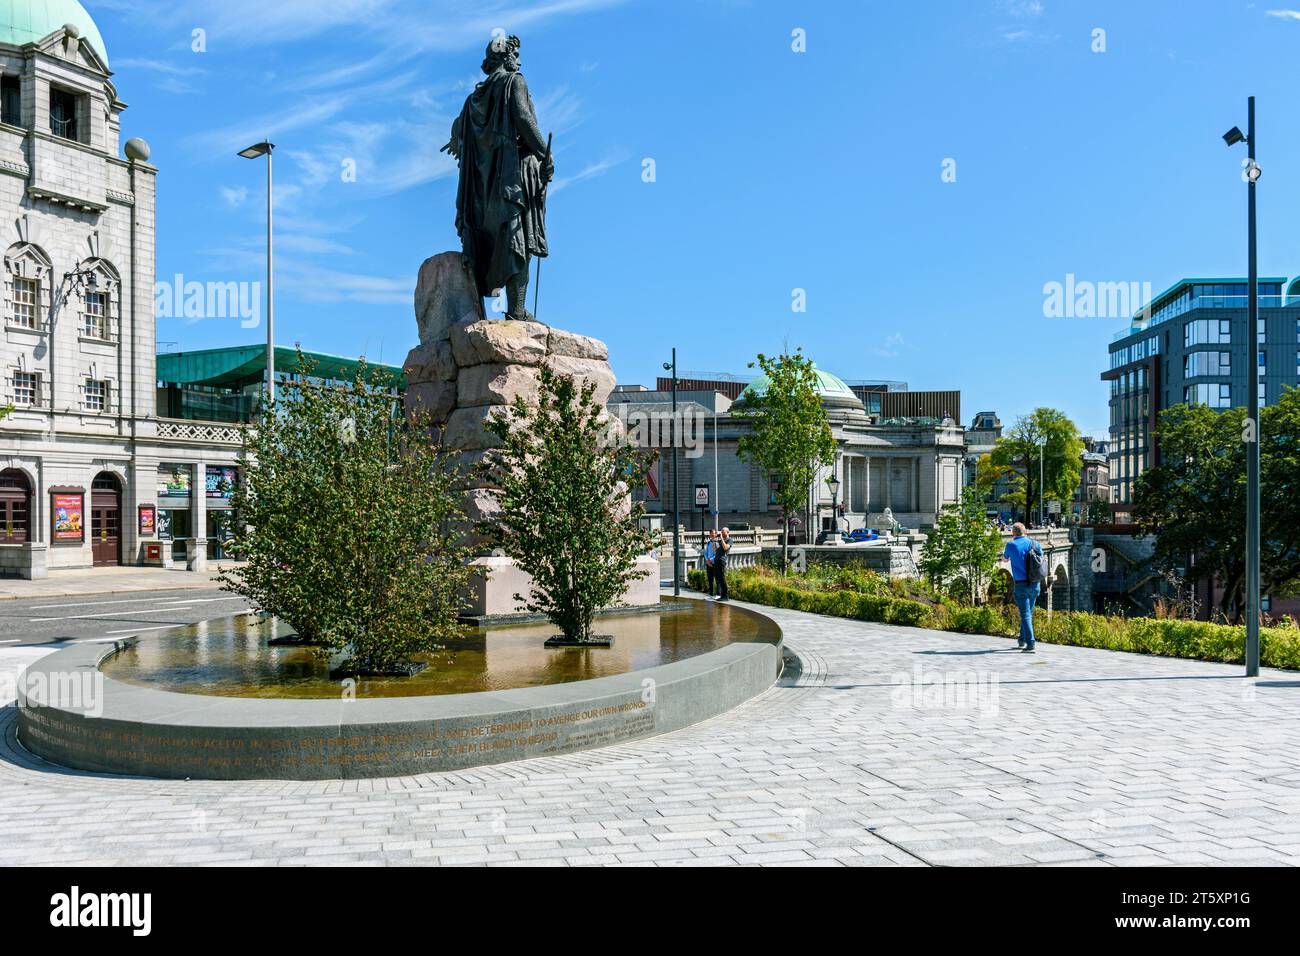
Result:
[
  {"x": 562, "y": 476},
  {"x": 348, "y": 520}
]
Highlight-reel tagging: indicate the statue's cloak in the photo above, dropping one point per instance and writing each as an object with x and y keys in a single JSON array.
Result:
[{"x": 501, "y": 196}]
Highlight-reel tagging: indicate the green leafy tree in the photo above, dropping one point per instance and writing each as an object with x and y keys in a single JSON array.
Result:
[
  {"x": 349, "y": 523},
  {"x": 1098, "y": 511},
  {"x": 562, "y": 475},
  {"x": 789, "y": 432},
  {"x": 991, "y": 480},
  {"x": 1195, "y": 499},
  {"x": 963, "y": 549},
  {"x": 1047, "y": 434}
]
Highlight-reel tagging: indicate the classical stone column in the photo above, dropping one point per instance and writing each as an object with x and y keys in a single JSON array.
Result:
[{"x": 196, "y": 550}]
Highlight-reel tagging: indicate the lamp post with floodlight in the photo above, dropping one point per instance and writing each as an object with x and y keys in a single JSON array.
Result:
[
  {"x": 265, "y": 148},
  {"x": 1251, "y": 365}
]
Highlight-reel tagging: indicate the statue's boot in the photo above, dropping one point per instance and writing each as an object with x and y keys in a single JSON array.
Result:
[{"x": 517, "y": 298}]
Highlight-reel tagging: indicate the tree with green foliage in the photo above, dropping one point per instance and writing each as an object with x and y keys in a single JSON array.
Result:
[
  {"x": 562, "y": 477},
  {"x": 1045, "y": 434},
  {"x": 990, "y": 479},
  {"x": 789, "y": 433},
  {"x": 1194, "y": 501},
  {"x": 963, "y": 549},
  {"x": 348, "y": 521},
  {"x": 1098, "y": 512}
]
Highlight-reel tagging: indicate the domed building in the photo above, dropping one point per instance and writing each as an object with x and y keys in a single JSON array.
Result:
[
  {"x": 840, "y": 402},
  {"x": 77, "y": 351},
  {"x": 32, "y": 21},
  {"x": 910, "y": 466}
]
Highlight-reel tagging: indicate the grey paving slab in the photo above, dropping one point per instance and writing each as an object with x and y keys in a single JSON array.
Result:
[{"x": 896, "y": 747}]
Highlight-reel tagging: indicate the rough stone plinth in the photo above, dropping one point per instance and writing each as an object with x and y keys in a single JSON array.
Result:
[
  {"x": 444, "y": 296},
  {"x": 495, "y": 383},
  {"x": 499, "y": 340},
  {"x": 467, "y": 367}
]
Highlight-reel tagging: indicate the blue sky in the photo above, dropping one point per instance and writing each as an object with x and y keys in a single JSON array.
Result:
[{"x": 775, "y": 170}]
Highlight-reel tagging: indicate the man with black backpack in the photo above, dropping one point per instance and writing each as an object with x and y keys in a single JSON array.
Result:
[{"x": 1028, "y": 569}]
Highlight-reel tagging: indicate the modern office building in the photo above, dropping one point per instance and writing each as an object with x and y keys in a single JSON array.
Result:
[{"x": 1190, "y": 345}]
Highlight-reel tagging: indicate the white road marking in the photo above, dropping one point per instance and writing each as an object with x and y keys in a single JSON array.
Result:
[
  {"x": 157, "y": 610},
  {"x": 65, "y": 604},
  {"x": 162, "y": 627}
]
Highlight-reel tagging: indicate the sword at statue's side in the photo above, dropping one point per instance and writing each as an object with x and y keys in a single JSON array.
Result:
[{"x": 537, "y": 283}]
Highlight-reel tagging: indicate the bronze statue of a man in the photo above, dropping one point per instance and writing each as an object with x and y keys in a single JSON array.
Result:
[{"x": 505, "y": 165}]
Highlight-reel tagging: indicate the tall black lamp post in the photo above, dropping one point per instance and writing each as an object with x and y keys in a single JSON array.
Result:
[
  {"x": 1251, "y": 365},
  {"x": 677, "y": 518},
  {"x": 255, "y": 151},
  {"x": 834, "y": 482}
]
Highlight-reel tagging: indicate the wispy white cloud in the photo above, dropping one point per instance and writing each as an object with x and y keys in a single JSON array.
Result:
[
  {"x": 892, "y": 346},
  {"x": 421, "y": 25},
  {"x": 308, "y": 112},
  {"x": 174, "y": 76},
  {"x": 297, "y": 275},
  {"x": 1022, "y": 8},
  {"x": 1284, "y": 14},
  {"x": 590, "y": 171},
  {"x": 313, "y": 283},
  {"x": 157, "y": 66},
  {"x": 1022, "y": 11},
  {"x": 377, "y": 113}
]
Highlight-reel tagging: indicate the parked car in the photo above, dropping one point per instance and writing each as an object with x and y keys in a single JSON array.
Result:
[
  {"x": 863, "y": 534},
  {"x": 827, "y": 535}
]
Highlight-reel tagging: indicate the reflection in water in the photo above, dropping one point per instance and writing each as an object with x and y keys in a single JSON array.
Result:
[{"x": 230, "y": 657}]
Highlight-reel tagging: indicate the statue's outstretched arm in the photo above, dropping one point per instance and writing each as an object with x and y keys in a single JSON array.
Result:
[{"x": 453, "y": 144}]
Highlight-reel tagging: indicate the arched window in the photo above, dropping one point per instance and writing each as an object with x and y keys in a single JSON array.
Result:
[
  {"x": 15, "y": 507},
  {"x": 99, "y": 310},
  {"x": 27, "y": 286}
]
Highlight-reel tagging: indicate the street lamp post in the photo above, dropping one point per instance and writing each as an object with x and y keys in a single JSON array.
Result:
[
  {"x": 265, "y": 148},
  {"x": 834, "y": 482},
  {"x": 1251, "y": 365},
  {"x": 677, "y": 555},
  {"x": 1042, "y": 503}
]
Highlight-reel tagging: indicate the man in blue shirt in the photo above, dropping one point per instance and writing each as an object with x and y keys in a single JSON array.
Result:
[
  {"x": 710, "y": 551},
  {"x": 1026, "y": 591}
]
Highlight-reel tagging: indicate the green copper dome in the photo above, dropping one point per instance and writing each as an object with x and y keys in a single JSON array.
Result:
[
  {"x": 830, "y": 387},
  {"x": 26, "y": 21}
]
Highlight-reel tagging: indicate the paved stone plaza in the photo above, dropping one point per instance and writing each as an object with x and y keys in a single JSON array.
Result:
[{"x": 1072, "y": 756}]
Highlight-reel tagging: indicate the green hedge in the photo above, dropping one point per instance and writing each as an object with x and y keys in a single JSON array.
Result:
[
  {"x": 764, "y": 589},
  {"x": 1199, "y": 640}
]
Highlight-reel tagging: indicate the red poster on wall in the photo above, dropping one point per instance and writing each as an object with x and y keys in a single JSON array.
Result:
[
  {"x": 148, "y": 521},
  {"x": 67, "y": 514}
]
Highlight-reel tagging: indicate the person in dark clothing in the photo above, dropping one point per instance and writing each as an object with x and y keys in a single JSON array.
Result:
[
  {"x": 505, "y": 164},
  {"x": 720, "y": 563}
]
